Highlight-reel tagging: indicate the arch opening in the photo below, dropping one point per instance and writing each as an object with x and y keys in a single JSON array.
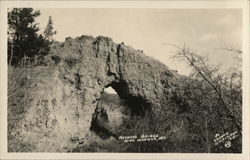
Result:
[
  {"x": 116, "y": 105},
  {"x": 138, "y": 104},
  {"x": 109, "y": 114}
]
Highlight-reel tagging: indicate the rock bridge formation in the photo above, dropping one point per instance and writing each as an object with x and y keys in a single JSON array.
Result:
[{"x": 64, "y": 93}]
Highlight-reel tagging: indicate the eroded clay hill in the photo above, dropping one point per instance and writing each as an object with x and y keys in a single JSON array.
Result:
[
  {"x": 61, "y": 98},
  {"x": 64, "y": 94}
]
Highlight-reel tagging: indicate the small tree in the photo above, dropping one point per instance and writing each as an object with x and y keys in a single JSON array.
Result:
[{"x": 49, "y": 32}]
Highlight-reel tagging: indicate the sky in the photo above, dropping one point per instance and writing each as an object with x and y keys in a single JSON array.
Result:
[{"x": 151, "y": 30}]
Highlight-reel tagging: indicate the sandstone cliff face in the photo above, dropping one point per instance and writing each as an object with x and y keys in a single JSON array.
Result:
[{"x": 64, "y": 94}]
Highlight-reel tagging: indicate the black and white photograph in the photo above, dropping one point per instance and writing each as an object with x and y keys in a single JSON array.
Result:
[{"x": 138, "y": 79}]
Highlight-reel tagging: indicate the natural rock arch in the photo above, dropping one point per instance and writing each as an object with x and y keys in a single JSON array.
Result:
[{"x": 64, "y": 93}]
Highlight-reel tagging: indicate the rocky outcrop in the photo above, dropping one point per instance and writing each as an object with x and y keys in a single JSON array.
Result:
[{"x": 63, "y": 94}]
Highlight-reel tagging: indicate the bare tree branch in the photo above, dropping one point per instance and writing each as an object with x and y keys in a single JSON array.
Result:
[{"x": 207, "y": 73}]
